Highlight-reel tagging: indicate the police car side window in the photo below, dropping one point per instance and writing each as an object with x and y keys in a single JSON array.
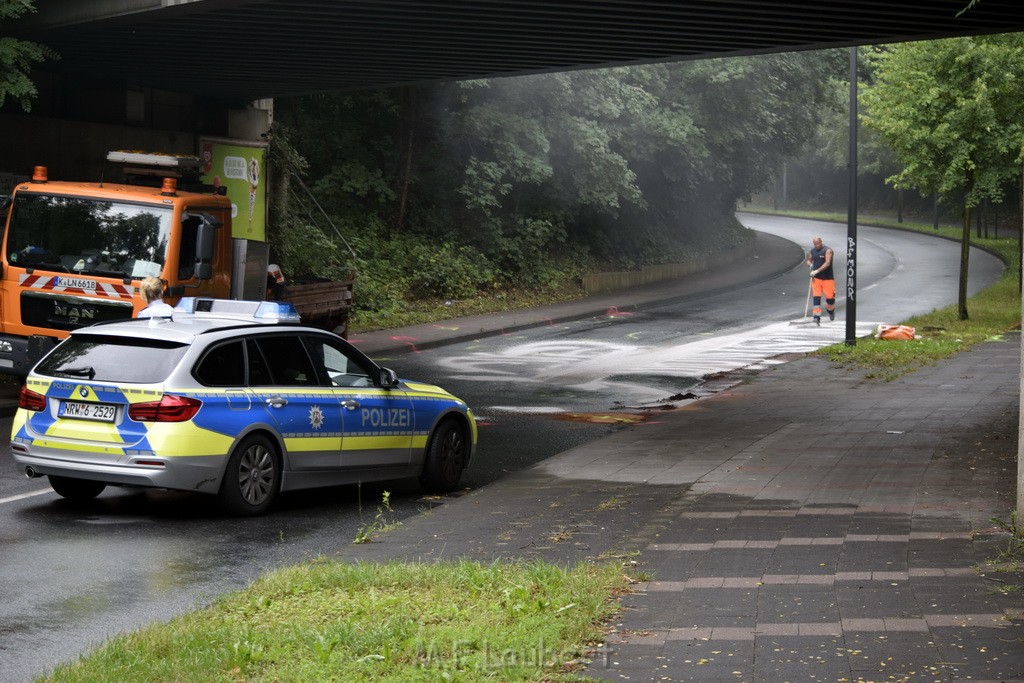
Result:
[
  {"x": 341, "y": 370},
  {"x": 259, "y": 374},
  {"x": 222, "y": 366},
  {"x": 289, "y": 363}
]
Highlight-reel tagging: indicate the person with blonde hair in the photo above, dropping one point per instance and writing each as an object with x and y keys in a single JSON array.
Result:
[{"x": 152, "y": 289}]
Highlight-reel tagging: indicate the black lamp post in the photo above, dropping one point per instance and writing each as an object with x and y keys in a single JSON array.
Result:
[{"x": 851, "y": 214}]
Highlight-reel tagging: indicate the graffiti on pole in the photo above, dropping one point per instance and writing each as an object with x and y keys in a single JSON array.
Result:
[{"x": 851, "y": 268}]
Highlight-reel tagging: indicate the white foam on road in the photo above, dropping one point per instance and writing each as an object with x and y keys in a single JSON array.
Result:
[{"x": 595, "y": 366}]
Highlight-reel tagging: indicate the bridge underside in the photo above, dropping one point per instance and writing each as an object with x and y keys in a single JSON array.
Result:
[{"x": 240, "y": 50}]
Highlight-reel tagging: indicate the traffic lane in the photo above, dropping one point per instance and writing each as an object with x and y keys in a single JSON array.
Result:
[
  {"x": 12, "y": 481},
  {"x": 72, "y": 574},
  {"x": 900, "y": 273},
  {"x": 512, "y": 436},
  {"x": 638, "y": 358},
  {"x": 553, "y": 359}
]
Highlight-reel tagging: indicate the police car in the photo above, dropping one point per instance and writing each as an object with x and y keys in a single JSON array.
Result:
[{"x": 235, "y": 399}]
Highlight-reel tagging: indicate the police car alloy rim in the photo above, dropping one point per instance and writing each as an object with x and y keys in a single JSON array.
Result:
[
  {"x": 451, "y": 453},
  {"x": 256, "y": 474}
]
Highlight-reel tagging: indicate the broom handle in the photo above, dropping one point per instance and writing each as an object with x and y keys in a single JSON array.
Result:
[{"x": 807, "y": 306}]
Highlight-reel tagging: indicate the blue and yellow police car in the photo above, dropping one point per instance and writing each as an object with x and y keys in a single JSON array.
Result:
[{"x": 231, "y": 398}]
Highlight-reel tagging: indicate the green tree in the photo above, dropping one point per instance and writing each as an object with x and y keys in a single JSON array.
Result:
[
  {"x": 17, "y": 58},
  {"x": 951, "y": 111},
  {"x": 640, "y": 164},
  {"x": 749, "y": 115},
  {"x": 523, "y": 181}
]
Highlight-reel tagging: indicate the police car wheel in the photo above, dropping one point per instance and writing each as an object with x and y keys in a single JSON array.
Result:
[
  {"x": 252, "y": 477},
  {"x": 76, "y": 489},
  {"x": 446, "y": 457}
]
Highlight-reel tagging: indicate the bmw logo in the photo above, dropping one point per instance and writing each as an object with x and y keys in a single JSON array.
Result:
[{"x": 83, "y": 392}]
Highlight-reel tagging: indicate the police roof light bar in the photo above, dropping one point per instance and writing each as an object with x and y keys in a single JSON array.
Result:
[{"x": 258, "y": 311}]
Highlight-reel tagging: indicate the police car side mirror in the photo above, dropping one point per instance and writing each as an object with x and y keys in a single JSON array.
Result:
[{"x": 386, "y": 378}]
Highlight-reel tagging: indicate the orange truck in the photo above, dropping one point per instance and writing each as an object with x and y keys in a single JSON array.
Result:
[{"x": 74, "y": 254}]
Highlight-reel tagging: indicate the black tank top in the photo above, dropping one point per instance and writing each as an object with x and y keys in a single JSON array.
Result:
[{"x": 818, "y": 260}]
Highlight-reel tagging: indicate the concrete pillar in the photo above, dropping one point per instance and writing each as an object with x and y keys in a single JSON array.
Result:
[{"x": 253, "y": 122}]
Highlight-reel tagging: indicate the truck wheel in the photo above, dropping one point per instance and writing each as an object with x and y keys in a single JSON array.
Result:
[
  {"x": 252, "y": 477},
  {"x": 445, "y": 457},
  {"x": 76, "y": 489}
]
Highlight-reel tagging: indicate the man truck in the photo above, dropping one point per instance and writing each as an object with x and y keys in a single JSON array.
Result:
[{"x": 74, "y": 253}]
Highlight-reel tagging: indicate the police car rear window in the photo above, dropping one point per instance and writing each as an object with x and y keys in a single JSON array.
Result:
[{"x": 113, "y": 359}]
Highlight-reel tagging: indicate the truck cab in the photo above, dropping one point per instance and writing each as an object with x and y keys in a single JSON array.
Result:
[{"x": 73, "y": 254}]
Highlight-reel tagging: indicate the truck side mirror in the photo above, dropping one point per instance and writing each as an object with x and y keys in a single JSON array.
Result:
[
  {"x": 205, "y": 234},
  {"x": 5, "y": 203}
]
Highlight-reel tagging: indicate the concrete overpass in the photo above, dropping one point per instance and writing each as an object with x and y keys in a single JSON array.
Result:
[
  {"x": 155, "y": 74},
  {"x": 241, "y": 50}
]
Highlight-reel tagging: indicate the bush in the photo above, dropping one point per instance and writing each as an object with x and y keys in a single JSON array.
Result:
[{"x": 448, "y": 272}]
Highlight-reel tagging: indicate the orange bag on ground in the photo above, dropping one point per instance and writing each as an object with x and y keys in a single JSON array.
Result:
[{"x": 903, "y": 332}]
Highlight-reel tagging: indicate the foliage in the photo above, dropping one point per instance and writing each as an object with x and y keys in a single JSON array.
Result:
[
  {"x": 401, "y": 313},
  {"x": 832, "y": 138},
  {"x": 1013, "y": 554},
  {"x": 329, "y": 621},
  {"x": 381, "y": 522},
  {"x": 467, "y": 189},
  {"x": 951, "y": 111},
  {"x": 17, "y": 58}
]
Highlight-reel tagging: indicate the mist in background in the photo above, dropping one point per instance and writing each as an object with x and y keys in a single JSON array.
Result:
[{"x": 472, "y": 186}]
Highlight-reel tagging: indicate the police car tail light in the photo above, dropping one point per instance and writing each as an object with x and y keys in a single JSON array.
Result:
[
  {"x": 30, "y": 400},
  {"x": 170, "y": 408}
]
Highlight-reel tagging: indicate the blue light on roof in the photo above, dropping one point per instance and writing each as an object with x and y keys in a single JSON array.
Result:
[
  {"x": 277, "y": 310},
  {"x": 262, "y": 311},
  {"x": 187, "y": 304}
]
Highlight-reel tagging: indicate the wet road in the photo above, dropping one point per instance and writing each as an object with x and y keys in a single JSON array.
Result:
[
  {"x": 72, "y": 575},
  {"x": 641, "y": 360}
]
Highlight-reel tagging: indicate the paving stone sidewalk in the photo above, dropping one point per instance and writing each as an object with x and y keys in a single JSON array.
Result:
[{"x": 810, "y": 525}]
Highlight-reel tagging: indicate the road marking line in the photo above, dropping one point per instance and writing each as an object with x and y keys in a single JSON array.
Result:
[{"x": 11, "y": 499}]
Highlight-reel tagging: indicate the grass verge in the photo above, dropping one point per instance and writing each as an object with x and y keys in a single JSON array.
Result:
[
  {"x": 436, "y": 310},
  {"x": 992, "y": 312},
  {"x": 330, "y": 621}
]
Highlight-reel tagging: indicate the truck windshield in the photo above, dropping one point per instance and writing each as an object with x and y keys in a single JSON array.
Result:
[{"x": 88, "y": 236}]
